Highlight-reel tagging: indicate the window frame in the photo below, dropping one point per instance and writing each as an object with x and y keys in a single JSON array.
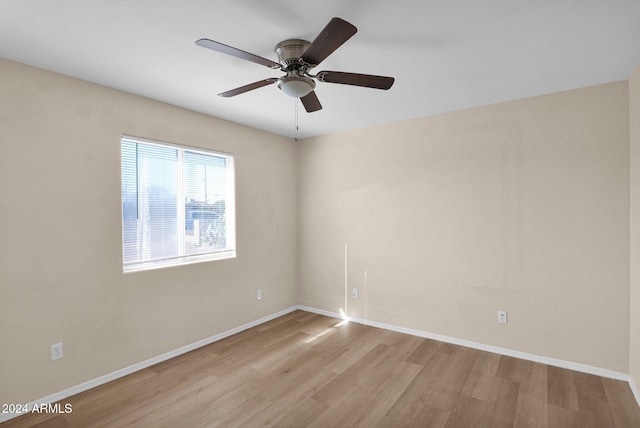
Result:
[{"x": 182, "y": 258}]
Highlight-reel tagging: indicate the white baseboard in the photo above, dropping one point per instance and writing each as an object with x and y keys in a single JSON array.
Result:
[
  {"x": 480, "y": 346},
  {"x": 58, "y": 396},
  {"x": 326, "y": 313},
  {"x": 634, "y": 389}
]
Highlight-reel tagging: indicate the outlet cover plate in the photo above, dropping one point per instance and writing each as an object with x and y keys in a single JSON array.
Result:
[
  {"x": 503, "y": 317},
  {"x": 57, "y": 351}
]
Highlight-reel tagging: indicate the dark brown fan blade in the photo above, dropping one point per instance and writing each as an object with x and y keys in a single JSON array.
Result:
[
  {"x": 229, "y": 50},
  {"x": 247, "y": 88},
  {"x": 311, "y": 102},
  {"x": 367, "y": 80},
  {"x": 330, "y": 38}
]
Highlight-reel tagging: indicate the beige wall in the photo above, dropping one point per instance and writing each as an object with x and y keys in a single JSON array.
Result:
[
  {"x": 634, "y": 122},
  {"x": 521, "y": 206},
  {"x": 60, "y": 234}
]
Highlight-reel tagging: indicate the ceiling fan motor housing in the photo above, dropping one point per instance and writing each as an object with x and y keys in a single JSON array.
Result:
[{"x": 289, "y": 53}]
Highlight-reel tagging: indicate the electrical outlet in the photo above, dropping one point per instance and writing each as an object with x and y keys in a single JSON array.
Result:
[
  {"x": 56, "y": 351},
  {"x": 354, "y": 293},
  {"x": 259, "y": 294},
  {"x": 502, "y": 317}
]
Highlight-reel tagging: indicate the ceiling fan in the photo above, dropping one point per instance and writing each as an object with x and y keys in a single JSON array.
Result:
[{"x": 296, "y": 57}]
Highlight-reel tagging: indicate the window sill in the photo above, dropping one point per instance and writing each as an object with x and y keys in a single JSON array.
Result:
[{"x": 178, "y": 261}]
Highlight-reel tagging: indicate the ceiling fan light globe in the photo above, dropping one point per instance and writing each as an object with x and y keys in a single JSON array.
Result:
[{"x": 296, "y": 86}]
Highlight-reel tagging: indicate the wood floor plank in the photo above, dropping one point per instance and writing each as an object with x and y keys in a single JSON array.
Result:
[
  {"x": 57, "y": 421},
  {"x": 504, "y": 404},
  {"x": 448, "y": 384},
  {"x": 479, "y": 383},
  {"x": 300, "y": 416},
  {"x": 588, "y": 389},
  {"x": 469, "y": 412},
  {"x": 372, "y": 397},
  {"x": 298, "y": 388},
  {"x": 562, "y": 417},
  {"x": 423, "y": 352},
  {"x": 427, "y": 417},
  {"x": 307, "y": 370},
  {"x": 515, "y": 369},
  {"x": 380, "y": 399},
  {"x": 561, "y": 389},
  {"x": 598, "y": 413},
  {"x": 438, "y": 384},
  {"x": 531, "y": 407},
  {"x": 354, "y": 377},
  {"x": 625, "y": 410},
  {"x": 364, "y": 339}
]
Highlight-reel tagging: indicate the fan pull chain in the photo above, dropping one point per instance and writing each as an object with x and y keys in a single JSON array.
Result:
[{"x": 296, "y": 129}]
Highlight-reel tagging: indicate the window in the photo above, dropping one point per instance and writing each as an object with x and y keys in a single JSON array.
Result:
[{"x": 177, "y": 205}]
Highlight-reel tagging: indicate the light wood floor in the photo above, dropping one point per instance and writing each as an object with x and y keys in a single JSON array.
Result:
[{"x": 304, "y": 369}]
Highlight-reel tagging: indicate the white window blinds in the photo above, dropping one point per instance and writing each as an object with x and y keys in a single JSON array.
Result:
[{"x": 177, "y": 205}]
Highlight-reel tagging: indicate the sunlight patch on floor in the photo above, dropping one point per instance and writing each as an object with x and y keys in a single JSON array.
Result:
[{"x": 345, "y": 321}]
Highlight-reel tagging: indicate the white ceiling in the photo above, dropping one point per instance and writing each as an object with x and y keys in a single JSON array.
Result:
[{"x": 446, "y": 55}]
